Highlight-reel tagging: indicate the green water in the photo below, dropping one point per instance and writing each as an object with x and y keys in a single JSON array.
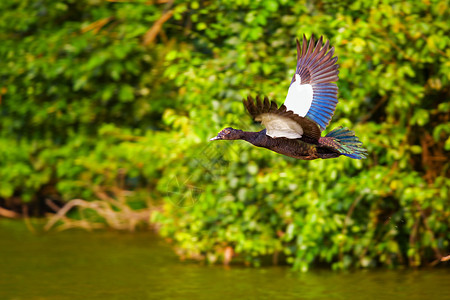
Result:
[{"x": 113, "y": 265}]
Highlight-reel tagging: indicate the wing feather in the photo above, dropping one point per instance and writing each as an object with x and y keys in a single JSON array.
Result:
[
  {"x": 279, "y": 121},
  {"x": 316, "y": 71}
]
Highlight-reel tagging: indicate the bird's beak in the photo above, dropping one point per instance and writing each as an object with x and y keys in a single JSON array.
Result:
[{"x": 215, "y": 138}]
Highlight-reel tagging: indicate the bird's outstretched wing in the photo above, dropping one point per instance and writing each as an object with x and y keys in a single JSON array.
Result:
[
  {"x": 312, "y": 93},
  {"x": 280, "y": 122}
]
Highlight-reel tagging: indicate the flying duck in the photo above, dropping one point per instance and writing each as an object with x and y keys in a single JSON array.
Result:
[{"x": 294, "y": 129}]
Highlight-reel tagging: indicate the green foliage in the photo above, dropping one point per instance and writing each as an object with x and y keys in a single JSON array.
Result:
[{"x": 86, "y": 104}]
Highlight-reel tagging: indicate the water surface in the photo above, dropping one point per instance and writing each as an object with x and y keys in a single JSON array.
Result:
[{"x": 113, "y": 265}]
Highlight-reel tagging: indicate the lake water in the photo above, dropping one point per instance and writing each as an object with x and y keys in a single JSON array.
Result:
[{"x": 114, "y": 265}]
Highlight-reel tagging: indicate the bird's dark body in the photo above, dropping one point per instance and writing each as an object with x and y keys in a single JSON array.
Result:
[
  {"x": 295, "y": 148},
  {"x": 295, "y": 128}
]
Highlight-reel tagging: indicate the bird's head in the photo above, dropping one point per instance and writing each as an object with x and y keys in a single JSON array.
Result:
[{"x": 228, "y": 134}]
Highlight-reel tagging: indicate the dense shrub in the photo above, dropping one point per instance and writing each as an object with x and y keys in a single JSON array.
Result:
[{"x": 91, "y": 99}]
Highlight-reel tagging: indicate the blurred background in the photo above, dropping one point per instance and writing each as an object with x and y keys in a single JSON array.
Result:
[{"x": 107, "y": 107}]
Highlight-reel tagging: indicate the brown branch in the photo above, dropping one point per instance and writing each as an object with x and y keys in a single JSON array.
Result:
[
  {"x": 275, "y": 257},
  {"x": 97, "y": 25},
  {"x": 376, "y": 107},
  {"x": 151, "y": 34},
  {"x": 346, "y": 221},
  {"x": 437, "y": 253},
  {"x": 52, "y": 205},
  {"x": 81, "y": 224},
  {"x": 412, "y": 241},
  {"x": 123, "y": 219},
  {"x": 393, "y": 44},
  {"x": 350, "y": 212},
  {"x": 63, "y": 211},
  {"x": 8, "y": 213},
  {"x": 26, "y": 217}
]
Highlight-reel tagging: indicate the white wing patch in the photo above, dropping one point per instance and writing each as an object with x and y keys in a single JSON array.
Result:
[
  {"x": 277, "y": 126},
  {"x": 299, "y": 97}
]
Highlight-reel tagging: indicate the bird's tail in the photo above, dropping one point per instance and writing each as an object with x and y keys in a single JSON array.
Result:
[{"x": 346, "y": 142}]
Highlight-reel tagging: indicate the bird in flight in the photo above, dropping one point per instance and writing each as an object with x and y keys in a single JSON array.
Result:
[{"x": 294, "y": 129}]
